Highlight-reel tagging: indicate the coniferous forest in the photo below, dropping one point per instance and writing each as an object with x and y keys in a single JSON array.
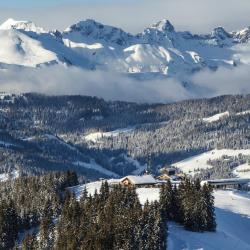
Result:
[
  {"x": 35, "y": 130},
  {"x": 42, "y": 213}
]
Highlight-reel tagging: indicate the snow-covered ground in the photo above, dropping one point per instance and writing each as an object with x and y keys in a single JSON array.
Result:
[
  {"x": 193, "y": 163},
  {"x": 150, "y": 194},
  {"x": 222, "y": 115},
  {"x": 242, "y": 171},
  {"x": 232, "y": 216},
  {"x": 94, "y": 137},
  {"x": 6, "y": 177},
  {"x": 93, "y": 165},
  {"x": 233, "y": 227},
  {"x": 216, "y": 117},
  {"x": 244, "y": 112}
]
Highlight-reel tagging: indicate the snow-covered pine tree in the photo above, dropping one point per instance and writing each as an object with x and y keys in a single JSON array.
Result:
[
  {"x": 208, "y": 200},
  {"x": 166, "y": 201}
]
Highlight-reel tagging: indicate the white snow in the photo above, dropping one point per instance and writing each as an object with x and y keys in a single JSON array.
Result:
[
  {"x": 233, "y": 227},
  {"x": 19, "y": 49},
  {"x": 5, "y": 177},
  {"x": 244, "y": 112},
  {"x": 144, "y": 179},
  {"x": 192, "y": 164},
  {"x": 21, "y": 25},
  {"x": 150, "y": 194},
  {"x": 232, "y": 216},
  {"x": 242, "y": 171},
  {"x": 52, "y": 137},
  {"x": 233, "y": 223},
  {"x": 89, "y": 44},
  {"x": 93, "y": 165},
  {"x": 94, "y": 137},
  {"x": 216, "y": 117},
  {"x": 139, "y": 168}
]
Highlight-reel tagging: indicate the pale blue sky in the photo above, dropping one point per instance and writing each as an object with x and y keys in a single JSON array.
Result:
[
  {"x": 131, "y": 15},
  {"x": 38, "y": 3}
]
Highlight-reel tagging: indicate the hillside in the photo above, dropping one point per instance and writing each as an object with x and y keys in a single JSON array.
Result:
[{"x": 96, "y": 138}]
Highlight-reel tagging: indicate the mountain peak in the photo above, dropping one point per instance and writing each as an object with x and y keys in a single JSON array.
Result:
[
  {"x": 21, "y": 25},
  {"x": 164, "y": 26},
  {"x": 221, "y": 33},
  {"x": 85, "y": 25},
  {"x": 98, "y": 31}
]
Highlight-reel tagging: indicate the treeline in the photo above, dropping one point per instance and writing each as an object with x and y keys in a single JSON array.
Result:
[{"x": 191, "y": 205}]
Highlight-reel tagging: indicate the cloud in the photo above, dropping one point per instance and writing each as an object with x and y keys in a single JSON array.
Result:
[
  {"x": 133, "y": 16},
  {"x": 223, "y": 81},
  {"x": 58, "y": 80}
]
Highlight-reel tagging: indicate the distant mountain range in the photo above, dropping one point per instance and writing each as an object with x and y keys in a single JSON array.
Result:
[{"x": 158, "y": 50}]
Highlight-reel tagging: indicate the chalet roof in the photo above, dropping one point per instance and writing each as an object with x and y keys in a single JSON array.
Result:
[{"x": 139, "y": 180}]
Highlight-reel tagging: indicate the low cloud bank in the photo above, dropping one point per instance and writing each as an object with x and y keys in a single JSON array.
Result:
[{"x": 58, "y": 80}]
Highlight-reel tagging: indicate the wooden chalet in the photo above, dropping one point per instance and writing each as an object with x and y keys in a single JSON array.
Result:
[{"x": 138, "y": 181}]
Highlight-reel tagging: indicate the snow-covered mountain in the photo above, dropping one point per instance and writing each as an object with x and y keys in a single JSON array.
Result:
[{"x": 89, "y": 44}]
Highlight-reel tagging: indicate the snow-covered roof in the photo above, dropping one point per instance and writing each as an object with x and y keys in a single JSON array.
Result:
[{"x": 137, "y": 180}]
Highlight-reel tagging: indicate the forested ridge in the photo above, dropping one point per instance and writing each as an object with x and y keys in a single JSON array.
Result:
[{"x": 41, "y": 133}]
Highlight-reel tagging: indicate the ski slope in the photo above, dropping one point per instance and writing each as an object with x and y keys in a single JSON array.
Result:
[
  {"x": 233, "y": 227},
  {"x": 192, "y": 164}
]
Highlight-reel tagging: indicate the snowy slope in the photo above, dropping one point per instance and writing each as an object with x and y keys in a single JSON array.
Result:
[
  {"x": 232, "y": 216},
  {"x": 22, "y": 43},
  {"x": 94, "y": 166},
  {"x": 223, "y": 115},
  {"x": 17, "y": 48},
  {"x": 88, "y": 44},
  {"x": 242, "y": 171},
  {"x": 193, "y": 163},
  {"x": 94, "y": 137},
  {"x": 216, "y": 117}
]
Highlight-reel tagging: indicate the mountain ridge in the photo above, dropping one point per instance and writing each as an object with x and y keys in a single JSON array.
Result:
[{"x": 92, "y": 45}]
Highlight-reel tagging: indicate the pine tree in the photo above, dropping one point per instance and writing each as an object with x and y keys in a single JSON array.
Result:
[
  {"x": 177, "y": 208},
  {"x": 46, "y": 236},
  {"x": 208, "y": 202},
  {"x": 159, "y": 229},
  {"x": 8, "y": 224},
  {"x": 167, "y": 200}
]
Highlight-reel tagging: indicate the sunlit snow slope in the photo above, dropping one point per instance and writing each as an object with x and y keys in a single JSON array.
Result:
[{"x": 159, "y": 49}]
